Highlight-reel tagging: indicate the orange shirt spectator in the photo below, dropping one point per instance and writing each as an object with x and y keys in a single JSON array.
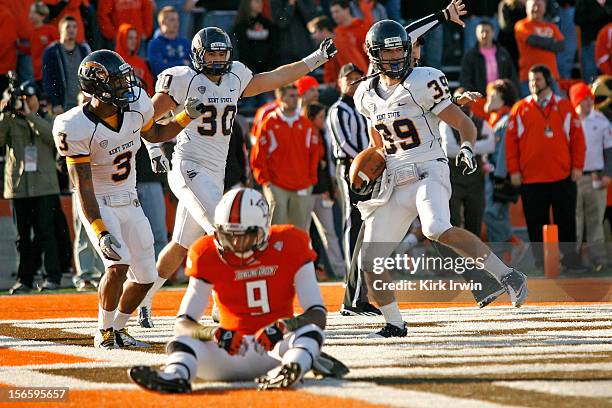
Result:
[
  {"x": 287, "y": 152},
  {"x": 537, "y": 41},
  {"x": 69, "y": 8},
  {"x": 128, "y": 44},
  {"x": 113, "y": 13},
  {"x": 350, "y": 31},
  {"x": 40, "y": 37},
  {"x": 603, "y": 50},
  {"x": 8, "y": 41},
  {"x": 20, "y": 10}
]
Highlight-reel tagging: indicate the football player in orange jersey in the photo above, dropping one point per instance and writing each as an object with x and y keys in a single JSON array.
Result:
[{"x": 256, "y": 270}]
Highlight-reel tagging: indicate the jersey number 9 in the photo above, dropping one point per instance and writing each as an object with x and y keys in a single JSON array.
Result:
[{"x": 257, "y": 296}]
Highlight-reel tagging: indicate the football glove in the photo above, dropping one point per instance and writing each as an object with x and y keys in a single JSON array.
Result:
[
  {"x": 230, "y": 340},
  {"x": 159, "y": 162},
  {"x": 108, "y": 243},
  {"x": 327, "y": 50},
  {"x": 267, "y": 337},
  {"x": 194, "y": 107},
  {"x": 466, "y": 157}
]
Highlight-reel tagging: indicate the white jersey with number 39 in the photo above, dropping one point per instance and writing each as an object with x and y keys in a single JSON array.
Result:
[
  {"x": 407, "y": 120},
  {"x": 206, "y": 139},
  {"x": 83, "y": 137}
]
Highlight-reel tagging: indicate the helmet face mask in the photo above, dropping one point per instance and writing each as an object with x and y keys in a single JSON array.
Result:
[
  {"x": 107, "y": 77},
  {"x": 207, "y": 40},
  {"x": 384, "y": 37}
]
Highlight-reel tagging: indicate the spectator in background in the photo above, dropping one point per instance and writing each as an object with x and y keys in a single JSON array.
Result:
[
  {"x": 308, "y": 91},
  {"x": 468, "y": 190},
  {"x": 478, "y": 12},
  {"x": 255, "y": 37},
  {"x": 168, "y": 49},
  {"x": 538, "y": 42},
  {"x": 434, "y": 40},
  {"x": 41, "y": 36},
  {"x": 291, "y": 16},
  {"x": 20, "y": 10},
  {"x": 603, "y": 50},
  {"x": 8, "y": 46},
  {"x": 486, "y": 62},
  {"x": 566, "y": 58},
  {"x": 60, "y": 67},
  {"x": 31, "y": 182},
  {"x": 501, "y": 96},
  {"x": 593, "y": 185},
  {"x": 58, "y": 9},
  {"x": 509, "y": 13},
  {"x": 545, "y": 156},
  {"x": 378, "y": 10},
  {"x": 113, "y": 13},
  {"x": 351, "y": 31},
  {"x": 321, "y": 28},
  {"x": 128, "y": 44},
  {"x": 591, "y": 16},
  {"x": 284, "y": 161}
]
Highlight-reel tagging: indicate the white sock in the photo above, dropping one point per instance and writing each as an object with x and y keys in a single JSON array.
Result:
[
  {"x": 300, "y": 356},
  {"x": 121, "y": 320},
  {"x": 175, "y": 371},
  {"x": 148, "y": 299},
  {"x": 392, "y": 314},
  {"x": 105, "y": 318},
  {"x": 181, "y": 364},
  {"x": 496, "y": 267}
]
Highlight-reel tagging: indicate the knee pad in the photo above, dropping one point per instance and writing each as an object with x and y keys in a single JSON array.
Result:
[
  {"x": 435, "y": 228},
  {"x": 176, "y": 346},
  {"x": 310, "y": 332}
]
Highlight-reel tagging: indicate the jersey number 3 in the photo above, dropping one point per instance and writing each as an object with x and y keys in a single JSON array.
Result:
[
  {"x": 124, "y": 166},
  {"x": 257, "y": 296}
]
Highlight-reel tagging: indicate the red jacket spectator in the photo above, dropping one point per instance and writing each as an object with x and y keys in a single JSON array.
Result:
[
  {"x": 352, "y": 36},
  {"x": 287, "y": 152},
  {"x": 260, "y": 116},
  {"x": 71, "y": 8},
  {"x": 113, "y": 13},
  {"x": 603, "y": 50},
  {"x": 41, "y": 36},
  {"x": 129, "y": 52},
  {"x": 541, "y": 154},
  {"x": 8, "y": 41},
  {"x": 530, "y": 55}
]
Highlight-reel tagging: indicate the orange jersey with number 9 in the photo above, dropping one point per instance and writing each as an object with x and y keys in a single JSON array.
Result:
[{"x": 252, "y": 296}]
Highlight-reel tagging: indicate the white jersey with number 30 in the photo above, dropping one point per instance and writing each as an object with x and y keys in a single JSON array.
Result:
[
  {"x": 83, "y": 137},
  {"x": 407, "y": 120},
  {"x": 206, "y": 139}
]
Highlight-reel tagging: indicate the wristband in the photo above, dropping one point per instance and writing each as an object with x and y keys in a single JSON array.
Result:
[
  {"x": 467, "y": 144},
  {"x": 314, "y": 60},
  {"x": 98, "y": 226},
  {"x": 183, "y": 119}
]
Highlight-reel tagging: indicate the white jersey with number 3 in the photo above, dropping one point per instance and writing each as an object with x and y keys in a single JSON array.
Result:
[
  {"x": 206, "y": 139},
  {"x": 407, "y": 120},
  {"x": 83, "y": 137}
]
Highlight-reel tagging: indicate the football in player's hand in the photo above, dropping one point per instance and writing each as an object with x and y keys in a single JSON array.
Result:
[{"x": 365, "y": 169}]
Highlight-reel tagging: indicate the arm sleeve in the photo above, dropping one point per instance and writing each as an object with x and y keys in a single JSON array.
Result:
[
  {"x": 195, "y": 299},
  {"x": 424, "y": 25},
  {"x": 432, "y": 94},
  {"x": 487, "y": 143},
  {"x": 243, "y": 73},
  {"x": 449, "y": 143},
  {"x": 546, "y": 43},
  {"x": 175, "y": 82},
  {"x": 577, "y": 144},
  {"x": 107, "y": 28},
  {"x": 602, "y": 54},
  {"x": 306, "y": 287},
  {"x": 71, "y": 139},
  {"x": 339, "y": 124},
  {"x": 366, "y": 10},
  {"x": 512, "y": 146}
]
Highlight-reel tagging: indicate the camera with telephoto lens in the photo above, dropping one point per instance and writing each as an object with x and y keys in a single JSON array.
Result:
[{"x": 13, "y": 92}]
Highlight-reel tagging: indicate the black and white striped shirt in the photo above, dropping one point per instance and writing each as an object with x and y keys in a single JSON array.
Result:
[{"x": 348, "y": 128}]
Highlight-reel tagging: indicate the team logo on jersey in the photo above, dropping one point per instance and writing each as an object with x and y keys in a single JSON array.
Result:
[
  {"x": 202, "y": 89},
  {"x": 104, "y": 144},
  {"x": 278, "y": 246}
]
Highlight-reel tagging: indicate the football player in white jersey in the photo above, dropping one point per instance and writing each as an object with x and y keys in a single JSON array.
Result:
[
  {"x": 403, "y": 106},
  {"x": 198, "y": 163},
  {"x": 100, "y": 140}
]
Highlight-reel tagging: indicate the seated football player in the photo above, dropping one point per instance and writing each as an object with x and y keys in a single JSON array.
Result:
[{"x": 255, "y": 270}]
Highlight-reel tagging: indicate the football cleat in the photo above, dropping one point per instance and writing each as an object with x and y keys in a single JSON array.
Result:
[
  {"x": 144, "y": 317},
  {"x": 105, "y": 339},
  {"x": 327, "y": 366},
  {"x": 515, "y": 284},
  {"x": 390, "y": 330},
  {"x": 124, "y": 339},
  {"x": 282, "y": 377},
  {"x": 491, "y": 297},
  {"x": 151, "y": 379},
  {"x": 363, "y": 309}
]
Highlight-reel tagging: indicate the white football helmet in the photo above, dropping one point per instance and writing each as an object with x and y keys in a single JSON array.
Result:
[{"x": 242, "y": 223}]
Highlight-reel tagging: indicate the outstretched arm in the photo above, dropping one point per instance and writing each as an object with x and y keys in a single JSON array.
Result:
[{"x": 452, "y": 12}]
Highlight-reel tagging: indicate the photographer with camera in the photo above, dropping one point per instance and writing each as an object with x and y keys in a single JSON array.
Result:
[{"x": 30, "y": 181}]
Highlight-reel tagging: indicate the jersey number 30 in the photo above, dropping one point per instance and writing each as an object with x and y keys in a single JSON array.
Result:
[
  {"x": 257, "y": 296},
  {"x": 209, "y": 120}
]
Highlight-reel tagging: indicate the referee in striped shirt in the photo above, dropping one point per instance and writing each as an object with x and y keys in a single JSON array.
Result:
[{"x": 350, "y": 136}]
